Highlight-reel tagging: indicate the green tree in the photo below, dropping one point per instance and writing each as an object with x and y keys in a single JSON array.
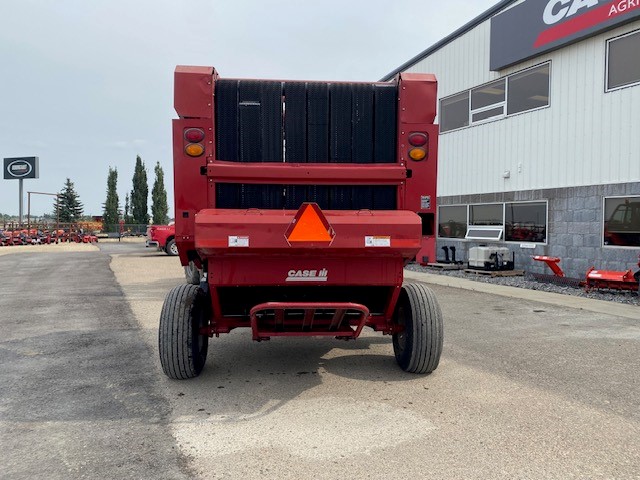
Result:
[
  {"x": 127, "y": 210},
  {"x": 67, "y": 205},
  {"x": 159, "y": 207},
  {"x": 111, "y": 206},
  {"x": 140, "y": 194}
]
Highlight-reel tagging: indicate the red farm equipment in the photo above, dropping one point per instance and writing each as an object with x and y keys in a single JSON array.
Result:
[{"x": 297, "y": 206}]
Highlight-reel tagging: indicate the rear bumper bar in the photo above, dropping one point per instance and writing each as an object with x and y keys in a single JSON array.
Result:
[{"x": 286, "y": 319}]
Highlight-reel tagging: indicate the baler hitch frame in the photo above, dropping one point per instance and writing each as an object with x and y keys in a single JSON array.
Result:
[{"x": 311, "y": 312}]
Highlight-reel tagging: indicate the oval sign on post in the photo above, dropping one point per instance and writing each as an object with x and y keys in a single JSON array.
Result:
[{"x": 21, "y": 167}]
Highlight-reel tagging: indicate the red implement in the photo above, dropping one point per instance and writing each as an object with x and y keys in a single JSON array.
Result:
[
  {"x": 301, "y": 224},
  {"x": 552, "y": 263},
  {"x": 606, "y": 279}
]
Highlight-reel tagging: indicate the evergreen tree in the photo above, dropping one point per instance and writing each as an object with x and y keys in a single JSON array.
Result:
[
  {"x": 127, "y": 209},
  {"x": 140, "y": 194},
  {"x": 67, "y": 206},
  {"x": 159, "y": 207},
  {"x": 112, "y": 205}
]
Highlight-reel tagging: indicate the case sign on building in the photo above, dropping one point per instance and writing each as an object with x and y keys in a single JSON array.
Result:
[
  {"x": 21, "y": 167},
  {"x": 537, "y": 26}
]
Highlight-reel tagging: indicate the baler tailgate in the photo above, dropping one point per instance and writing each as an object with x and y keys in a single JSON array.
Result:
[{"x": 340, "y": 319}]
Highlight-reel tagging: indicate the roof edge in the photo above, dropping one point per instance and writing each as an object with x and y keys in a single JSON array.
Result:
[{"x": 449, "y": 38}]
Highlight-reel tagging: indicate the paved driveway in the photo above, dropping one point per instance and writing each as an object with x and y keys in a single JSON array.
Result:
[{"x": 525, "y": 389}]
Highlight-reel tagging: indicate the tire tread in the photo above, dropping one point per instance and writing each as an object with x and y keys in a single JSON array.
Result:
[
  {"x": 426, "y": 329},
  {"x": 175, "y": 337}
]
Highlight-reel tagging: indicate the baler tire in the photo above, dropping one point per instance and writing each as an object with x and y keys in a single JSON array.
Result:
[
  {"x": 183, "y": 351},
  {"x": 171, "y": 249},
  {"x": 418, "y": 348},
  {"x": 192, "y": 274}
]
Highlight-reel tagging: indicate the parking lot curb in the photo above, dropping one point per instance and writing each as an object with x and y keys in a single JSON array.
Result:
[{"x": 580, "y": 303}]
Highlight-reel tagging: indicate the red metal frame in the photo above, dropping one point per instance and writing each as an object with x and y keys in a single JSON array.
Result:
[
  {"x": 552, "y": 263},
  {"x": 337, "y": 326},
  {"x": 300, "y": 173},
  {"x": 612, "y": 280},
  {"x": 248, "y": 248}
]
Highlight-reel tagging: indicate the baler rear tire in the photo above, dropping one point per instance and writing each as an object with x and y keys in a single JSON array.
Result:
[
  {"x": 192, "y": 274},
  {"x": 419, "y": 346},
  {"x": 183, "y": 351},
  {"x": 171, "y": 248}
]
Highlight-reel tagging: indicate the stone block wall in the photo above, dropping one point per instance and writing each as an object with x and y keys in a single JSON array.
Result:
[{"x": 575, "y": 229}]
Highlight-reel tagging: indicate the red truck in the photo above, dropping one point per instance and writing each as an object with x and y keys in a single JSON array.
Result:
[
  {"x": 300, "y": 203},
  {"x": 163, "y": 237}
]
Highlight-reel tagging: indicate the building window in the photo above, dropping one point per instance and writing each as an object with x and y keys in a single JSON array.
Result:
[
  {"x": 452, "y": 221},
  {"x": 488, "y": 214},
  {"x": 623, "y": 68},
  {"x": 528, "y": 90},
  {"x": 484, "y": 233},
  {"x": 486, "y": 222},
  {"x": 622, "y": 221},
  {"x": 525, "y": 222},
  {"x": 516, "y": 93},
  {"x": 513, "y": 222},
  {"x": 454, "y": 112},
  {"x": 487, "y": 102}
]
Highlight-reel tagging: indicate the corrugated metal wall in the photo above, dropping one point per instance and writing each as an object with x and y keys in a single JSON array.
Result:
[{"x": 585, "y": 136}]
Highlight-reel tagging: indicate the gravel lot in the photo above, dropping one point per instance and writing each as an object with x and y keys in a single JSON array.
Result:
[
  {"x": 526, "y": 281},
  {"x": 51, "y": 248}
]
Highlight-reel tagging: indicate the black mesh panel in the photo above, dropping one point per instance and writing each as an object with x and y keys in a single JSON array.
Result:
[
  {"x": 290, "y": 197},
  {"x": 340, "y": 123},
  {"x": 385, "y": 124},
  {"x": 227, "y": 120},
  {"x": 318, "y": 122},
  {"x": 298, "y": 122}
]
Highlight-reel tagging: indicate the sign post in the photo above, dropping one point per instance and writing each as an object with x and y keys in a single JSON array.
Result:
[
  {"x": 19, "y": 168},
  {"x": 21, "y": 196}
]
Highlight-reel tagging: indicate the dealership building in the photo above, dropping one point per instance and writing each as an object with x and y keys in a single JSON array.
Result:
[{"x": 539, "y": 146}]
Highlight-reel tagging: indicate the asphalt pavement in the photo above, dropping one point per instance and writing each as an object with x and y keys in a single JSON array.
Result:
[
  {"x": 527, "y": 387},
  {"x": 79, "y": 395}
]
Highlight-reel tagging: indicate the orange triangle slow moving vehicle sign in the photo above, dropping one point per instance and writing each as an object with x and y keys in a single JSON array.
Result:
[{"x": 310, "y": 226}]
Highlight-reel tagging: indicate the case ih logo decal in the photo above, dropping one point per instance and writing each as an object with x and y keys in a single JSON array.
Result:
[
  {"x": 307, "y": 275},
  {"x": 591, "y": 17},
  {"x": 538, "y": 26},
  {"x": 18, "y": 168}
]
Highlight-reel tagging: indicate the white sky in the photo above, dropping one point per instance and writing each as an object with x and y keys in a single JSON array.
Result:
[{"x": 88, "y": 84}]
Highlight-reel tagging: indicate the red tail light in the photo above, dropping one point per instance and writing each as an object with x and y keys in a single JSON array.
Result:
[
  {"x": 418, "y": 139},
  {"x": 194, "y": 135},
  {"x": 418, "y": 142}
]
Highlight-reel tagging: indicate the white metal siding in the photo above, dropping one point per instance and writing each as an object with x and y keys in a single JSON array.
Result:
[{"x": 585, "y": 137}]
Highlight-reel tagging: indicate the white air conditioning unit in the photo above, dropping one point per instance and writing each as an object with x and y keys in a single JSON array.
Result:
[{"x": 490, "y": 258}]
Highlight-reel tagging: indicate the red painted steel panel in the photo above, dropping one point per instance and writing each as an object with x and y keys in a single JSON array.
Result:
[
  {"x": 265, "y": 230},
  {"x": 322, "y": 270},
  {"x": 193, "y": 91},
  {"x": 418, "y": 98},
  {"x": 420, "y": 191},
  {"x": 306, "y": 173},
  {"x": 191, "y": 188}
]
